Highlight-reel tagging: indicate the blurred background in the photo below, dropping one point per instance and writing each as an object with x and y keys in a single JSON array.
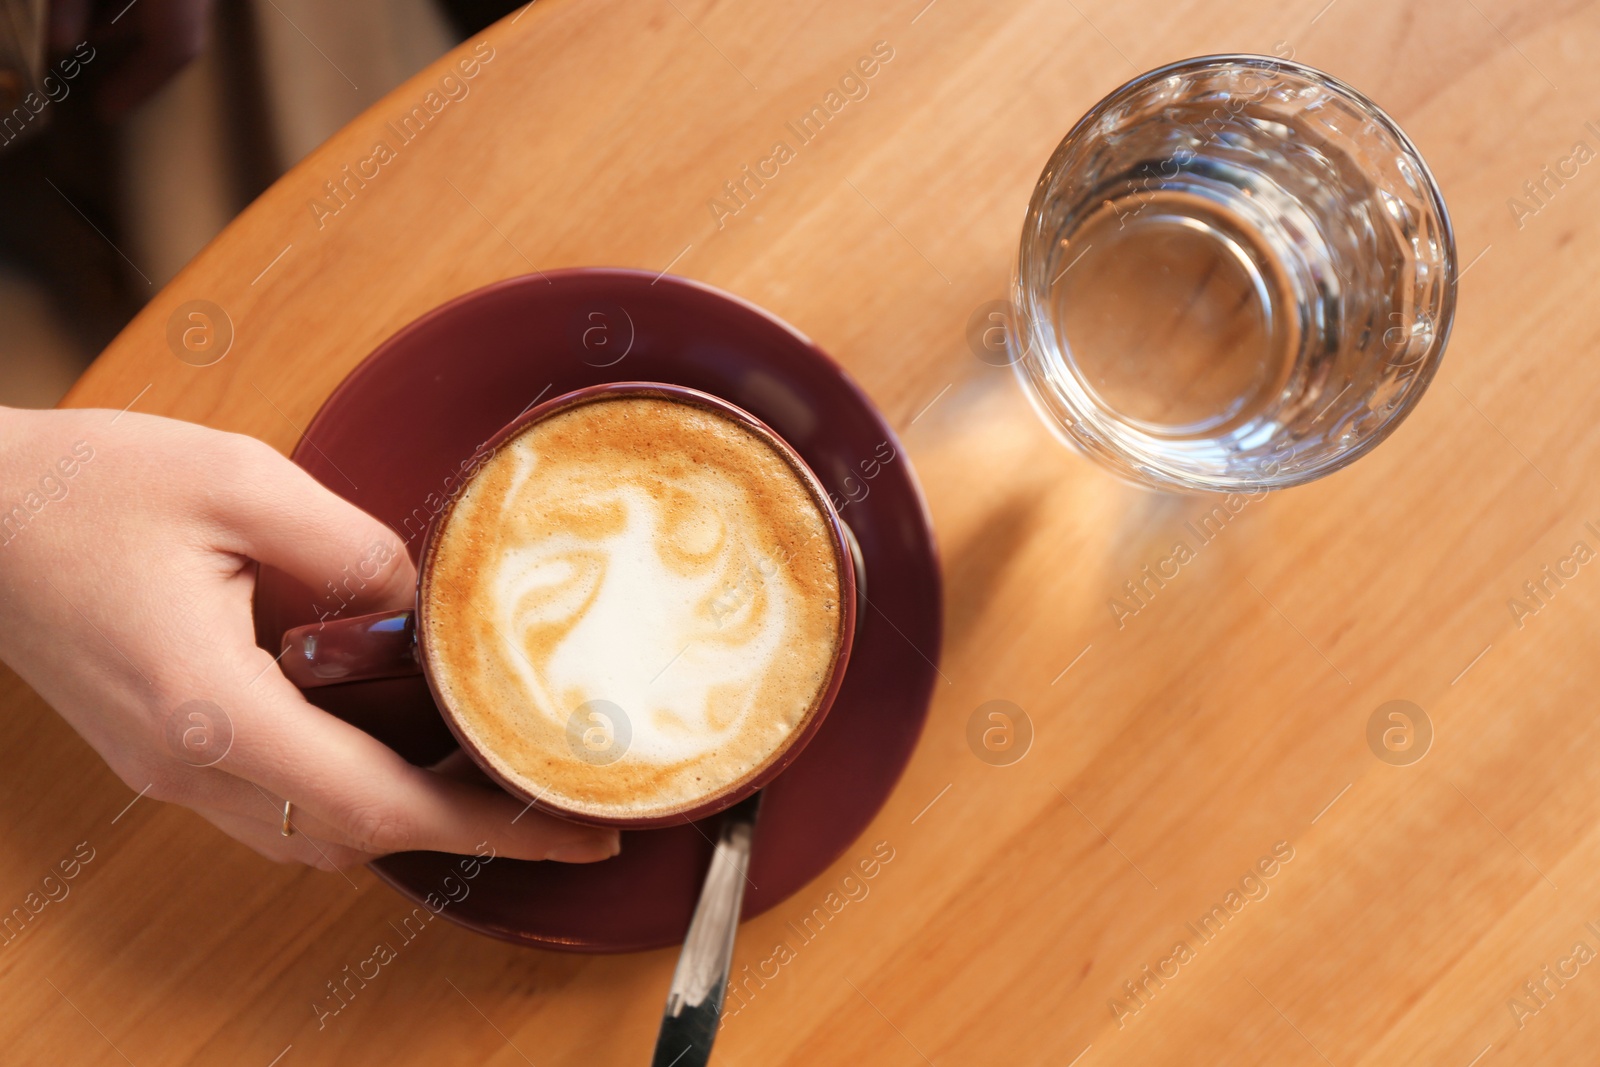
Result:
[{"x": 131, "y": 133}]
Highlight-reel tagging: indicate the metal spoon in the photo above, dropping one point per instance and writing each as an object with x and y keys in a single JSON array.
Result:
[{"x": 700, "y": 982}]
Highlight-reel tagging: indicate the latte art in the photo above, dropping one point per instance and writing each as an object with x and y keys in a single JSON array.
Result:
[
  {"x": 633, "y": 606},
  {"x": 626, "y": 610}
]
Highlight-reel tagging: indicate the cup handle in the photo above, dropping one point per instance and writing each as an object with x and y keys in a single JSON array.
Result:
[{"x": 360, "y": 649}]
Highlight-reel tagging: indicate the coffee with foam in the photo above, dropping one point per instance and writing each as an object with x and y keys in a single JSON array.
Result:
[{"x": 633, "y": 606}]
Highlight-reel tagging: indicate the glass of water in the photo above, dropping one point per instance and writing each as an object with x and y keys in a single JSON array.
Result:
[{"x": 1236, "y": 274}]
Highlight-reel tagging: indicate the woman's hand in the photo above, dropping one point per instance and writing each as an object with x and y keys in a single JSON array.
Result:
[{"x": 128, "y": 546}]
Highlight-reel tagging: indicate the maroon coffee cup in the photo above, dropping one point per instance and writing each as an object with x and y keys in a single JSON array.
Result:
[{"x": 393, "y": 644}]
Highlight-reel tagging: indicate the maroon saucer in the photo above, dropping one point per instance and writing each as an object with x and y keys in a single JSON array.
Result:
[{"x": 393, "y": 437}]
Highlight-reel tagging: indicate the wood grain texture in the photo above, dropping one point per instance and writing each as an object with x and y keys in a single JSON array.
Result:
[{"x": 1228, "y": 715}]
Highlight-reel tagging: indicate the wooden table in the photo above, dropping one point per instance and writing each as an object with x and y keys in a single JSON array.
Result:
[{"x": 1220, "y": 729}]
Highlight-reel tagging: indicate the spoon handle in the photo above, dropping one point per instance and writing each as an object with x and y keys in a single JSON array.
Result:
[{"x": 700, "y": 982}]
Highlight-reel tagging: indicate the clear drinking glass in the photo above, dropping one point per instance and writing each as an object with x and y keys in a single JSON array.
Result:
[{"x": 1236, "y": 274}]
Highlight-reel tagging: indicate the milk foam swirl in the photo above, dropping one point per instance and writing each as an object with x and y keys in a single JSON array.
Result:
[{"x": 633, "y": 607}]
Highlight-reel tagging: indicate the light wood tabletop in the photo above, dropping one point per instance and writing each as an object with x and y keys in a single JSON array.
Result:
[{"x": 1201, "y": 859}]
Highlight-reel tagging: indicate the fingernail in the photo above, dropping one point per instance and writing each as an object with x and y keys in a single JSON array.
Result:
[{"x": 589, "y": 850}]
